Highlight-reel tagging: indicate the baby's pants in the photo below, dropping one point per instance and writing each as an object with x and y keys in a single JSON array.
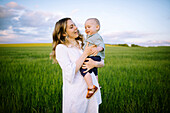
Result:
[{"x": 95, "y": 58}]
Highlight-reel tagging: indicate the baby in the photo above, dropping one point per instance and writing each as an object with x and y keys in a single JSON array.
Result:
[{"x": 92, "y": 26}]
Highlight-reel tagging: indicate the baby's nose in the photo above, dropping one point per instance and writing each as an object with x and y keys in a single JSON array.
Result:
[{"x": 75, "y": 27}]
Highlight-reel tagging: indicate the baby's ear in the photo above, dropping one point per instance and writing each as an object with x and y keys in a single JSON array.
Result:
[{"x": 97, "y": 27}]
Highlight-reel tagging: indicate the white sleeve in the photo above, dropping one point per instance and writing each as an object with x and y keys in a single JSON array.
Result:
[{"x": 68, "y": 67}]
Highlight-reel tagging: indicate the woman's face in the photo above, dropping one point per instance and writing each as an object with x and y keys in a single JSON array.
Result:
[{"x": 71, "y": 29}]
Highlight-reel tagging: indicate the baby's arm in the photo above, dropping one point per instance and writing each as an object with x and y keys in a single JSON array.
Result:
[
  {"x": 99, "y": 48},
  {"x": 96, "y": 50}
]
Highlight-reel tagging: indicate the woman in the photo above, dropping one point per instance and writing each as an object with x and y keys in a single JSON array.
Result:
[{"x": 68, "y": 53}]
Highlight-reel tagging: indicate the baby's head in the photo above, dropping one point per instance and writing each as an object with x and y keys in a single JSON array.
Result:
[{"x": 92, "y": 26}]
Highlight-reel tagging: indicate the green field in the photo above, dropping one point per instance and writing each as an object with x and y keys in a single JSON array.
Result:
[{"x": 133, "y": 80}]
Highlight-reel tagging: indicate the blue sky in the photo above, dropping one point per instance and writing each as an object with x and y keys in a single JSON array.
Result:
[{"x": 142, "y": 22}]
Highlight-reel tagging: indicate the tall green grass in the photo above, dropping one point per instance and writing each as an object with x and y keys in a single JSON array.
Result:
[{"x": 133, "y": 80}]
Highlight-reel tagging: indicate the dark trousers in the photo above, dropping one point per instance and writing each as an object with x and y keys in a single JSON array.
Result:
[{"x": 95, "y": 58}]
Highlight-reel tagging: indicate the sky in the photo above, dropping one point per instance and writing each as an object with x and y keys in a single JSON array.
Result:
[{"x": 141, "y": 22}]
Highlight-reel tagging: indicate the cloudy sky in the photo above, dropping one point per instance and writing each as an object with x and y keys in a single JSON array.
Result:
[{"x": 142, "y": 22}]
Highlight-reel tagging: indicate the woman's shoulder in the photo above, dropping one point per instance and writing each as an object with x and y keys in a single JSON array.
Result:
[{"x": 61, "y": 46}]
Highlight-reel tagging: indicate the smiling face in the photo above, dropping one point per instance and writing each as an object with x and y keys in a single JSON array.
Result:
[
  {"x": 71, "y": 30},
  {"x": 91, "y": 27}
]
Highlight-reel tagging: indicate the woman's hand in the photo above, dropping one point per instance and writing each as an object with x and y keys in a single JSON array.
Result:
[
  {"x": 89, "y": 49},
  {"x": 91, "y": 64},
  {"x": 88, "y": 65},
  {"x": 95, "y": 51}
]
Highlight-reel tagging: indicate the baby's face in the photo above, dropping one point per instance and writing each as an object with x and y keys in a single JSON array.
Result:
[{"x": 91, "y": 27}]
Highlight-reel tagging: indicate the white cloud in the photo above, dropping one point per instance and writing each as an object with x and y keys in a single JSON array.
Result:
[
  {"x": 21, "y": 24},
  {"x": 153, "y": 43},
  {"x": 28, "y": 30},
  {"x": 131, "y": 37},
  {"x": 41, "y": 39},
  {"x": 14, "y": 5},
  {"x": 7, "y": 36},
  {"x": 122, "y": 37},
  {"x": 7, "y": 32}
]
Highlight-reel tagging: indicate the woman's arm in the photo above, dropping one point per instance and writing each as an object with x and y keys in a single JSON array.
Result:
[
  {"x": 70, "y": 68},
  {"x": 87, "y": 51},
  {"x": 98, "y": 64}
]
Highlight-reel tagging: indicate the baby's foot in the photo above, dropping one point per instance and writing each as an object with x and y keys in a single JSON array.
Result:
[{"x": 91, "y": 92}]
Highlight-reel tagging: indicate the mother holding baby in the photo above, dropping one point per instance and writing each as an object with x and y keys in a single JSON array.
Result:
[{"x": 67, "y": 51}]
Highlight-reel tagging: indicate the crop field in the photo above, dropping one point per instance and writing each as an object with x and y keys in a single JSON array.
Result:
[{"x": 133, "y": 80}]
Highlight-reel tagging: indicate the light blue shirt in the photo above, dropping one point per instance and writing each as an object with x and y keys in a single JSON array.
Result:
[{"x": 97, "y": 40}]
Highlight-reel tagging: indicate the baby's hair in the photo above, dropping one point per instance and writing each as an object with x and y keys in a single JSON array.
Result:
[{"x": 96, "y": 20}]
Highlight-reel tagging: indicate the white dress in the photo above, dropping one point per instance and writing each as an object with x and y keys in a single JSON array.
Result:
[{"x": 74, "y": 85}]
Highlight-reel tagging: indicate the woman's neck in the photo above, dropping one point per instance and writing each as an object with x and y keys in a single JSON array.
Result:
[{"x": 72, "y": 43}]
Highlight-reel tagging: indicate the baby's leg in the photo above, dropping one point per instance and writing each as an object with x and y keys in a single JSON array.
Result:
[
  {"x": 97, "y": 78},
  {"x": 88, "y": 80},
  {"x": 92, "y": 89},
  {"x": 87, "y": 77},
  {"x": 95, "y": 70}
]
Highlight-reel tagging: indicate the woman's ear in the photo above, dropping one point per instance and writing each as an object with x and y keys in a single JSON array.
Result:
[{"x": 64, "y": 34}]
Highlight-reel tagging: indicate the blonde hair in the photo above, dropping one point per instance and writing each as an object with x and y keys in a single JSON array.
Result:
[
  {"x": 96, "y": 20},
  {"x": 58, "y": 38}
]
